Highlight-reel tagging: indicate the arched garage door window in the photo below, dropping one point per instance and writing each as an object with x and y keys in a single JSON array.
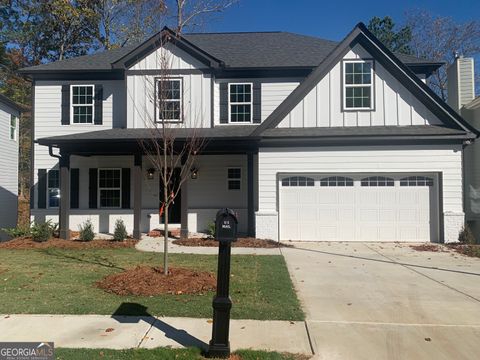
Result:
[
  {"x": 298, "y": 181},
  {"x": 377, "y": 181},
  {"x": 336, "y": 181},
  {"x": 416, "y": 181}
]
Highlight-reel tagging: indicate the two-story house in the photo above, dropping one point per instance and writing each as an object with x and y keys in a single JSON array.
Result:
[
  {"x": 308, "y": 139},
  {"x": 9, "y": 125}
]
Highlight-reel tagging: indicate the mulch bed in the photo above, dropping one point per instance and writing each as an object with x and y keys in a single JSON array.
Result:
[
  {"x": 428, "y": 247},
  {"x": 149, "y": 281},
  {"x": 466, "y": 249},
  {"x": 241, "y": 242},
  {"x": 28, "y": 243}
]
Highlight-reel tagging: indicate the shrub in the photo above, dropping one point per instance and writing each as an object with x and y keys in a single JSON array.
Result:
[
  {"x": 19, "y": 231},
  {"x": 42, "y": 231},
  {"x": 86, "y": 231},
  {"x": 211, "y": 229},
  {"x": 466, "y": 235},
  {"x": 120, "y": 232}
]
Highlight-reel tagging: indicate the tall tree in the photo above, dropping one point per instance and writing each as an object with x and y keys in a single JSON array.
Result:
[
  {"x": 396, "y": 40},
  {"x": 439, "y": 38}
]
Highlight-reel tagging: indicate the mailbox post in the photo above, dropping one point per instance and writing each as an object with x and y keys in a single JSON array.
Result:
[{"x": 225, "y": 232}]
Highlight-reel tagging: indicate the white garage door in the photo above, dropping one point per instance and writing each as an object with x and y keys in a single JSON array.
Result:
[{"x": 400, "y": 207}]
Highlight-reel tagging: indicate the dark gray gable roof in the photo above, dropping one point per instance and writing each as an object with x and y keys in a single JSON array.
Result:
[
  {"x": 12, "y": 104},
  {"x": 233, "y": 50},
  {"x": 361, "y": 35}
]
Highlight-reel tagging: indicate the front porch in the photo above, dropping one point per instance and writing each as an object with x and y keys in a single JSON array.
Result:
[{"x": 106, "y": 181}]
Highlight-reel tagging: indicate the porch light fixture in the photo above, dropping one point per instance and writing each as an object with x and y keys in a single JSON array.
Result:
[
  {"x": 150, "y": 173},
  {"x": 194, "y": 173}
]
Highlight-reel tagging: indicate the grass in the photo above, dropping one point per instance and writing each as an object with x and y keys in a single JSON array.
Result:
[
  {"x": 55, "y": 281},
  {"x": 164, "y": 354}
]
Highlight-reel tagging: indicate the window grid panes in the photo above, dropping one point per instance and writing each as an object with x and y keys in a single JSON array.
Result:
[
  {"x": 13, "y": 127},
  {"x": 82, "y": 104},
  {"x": 358, "y": 84},
  {"x": 240, "y": 102},
  {"x": 336, "y": 181},
  {"x": 234, "y": 178},
  {"x": 298, "y": 181},
  {"x": 169, "y": 100},
  {"x": 377, "y": 181},
  {"x": 53, "y": 189},
  {"x": 416, "y": 181},
  {"x": 109, "y": 185}
]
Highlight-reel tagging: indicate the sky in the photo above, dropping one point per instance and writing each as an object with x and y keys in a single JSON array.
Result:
[{"x": 331, "y": 19}]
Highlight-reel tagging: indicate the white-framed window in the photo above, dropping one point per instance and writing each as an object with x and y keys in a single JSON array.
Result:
[
  {"x": 82, "y": 104},
  {"x": 298, "y": 181},
  {"x": 13, "y": 127},
  {"x": 416, "y": 181},
  {"x": 377, "y": 181},
  {"x": 109, "y": 188},
  {"x": 53, "y": 191},
  {"x": 358, "y": 91},
  {"x": 240, "y": 102},
  {"x": 169, "y": 100},
  {"x": 234, "y": 178},
  {"x": 336, "y": 181}
]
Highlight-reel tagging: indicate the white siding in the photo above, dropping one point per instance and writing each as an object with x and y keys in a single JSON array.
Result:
[
  {"x": 8, "y": 170},
  {"x": 394, "y": 104}
]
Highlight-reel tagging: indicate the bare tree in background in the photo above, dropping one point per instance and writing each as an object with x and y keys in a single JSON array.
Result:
[
  {"x": 439, "y": 38},
  {"x": 173, "y": 140}
]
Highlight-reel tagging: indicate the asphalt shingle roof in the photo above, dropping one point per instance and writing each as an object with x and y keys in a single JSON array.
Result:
[{"x": 236, "y": 50}]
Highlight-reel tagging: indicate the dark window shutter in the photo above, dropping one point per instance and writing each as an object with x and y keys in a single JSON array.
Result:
[
  {"x": 74, "y": 188},
  {"x": 98, "y": 105},
  {"x": 42, "y": 188},
  {"x": 257, "y": 102},
  {"x": 223, "y": 103},
  {"x": 65, "y": 104},
  {"x": 92, "y": 188},
  {"x": 126, "y": 188}
]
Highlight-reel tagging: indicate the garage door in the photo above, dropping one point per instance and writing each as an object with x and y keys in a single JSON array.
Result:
[{"x": 400, "y": 207}]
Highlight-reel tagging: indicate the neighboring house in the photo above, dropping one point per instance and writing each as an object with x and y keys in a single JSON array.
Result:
[
  {"x": 9, "y": 115},
  {"x": 308, "y": 139},
  {"x": 461, "y": 97}
]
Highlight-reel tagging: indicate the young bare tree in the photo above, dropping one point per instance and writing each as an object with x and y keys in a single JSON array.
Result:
[
  {"x": 439, "y": 38},
  {"x": 174, "y": 140}
]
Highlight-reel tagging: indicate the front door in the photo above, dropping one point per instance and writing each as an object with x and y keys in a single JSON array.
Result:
[{"x": 174, "y": 211}]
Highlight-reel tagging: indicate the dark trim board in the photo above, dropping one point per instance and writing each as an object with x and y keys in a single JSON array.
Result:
[
  {"x": 170, "y": 72},
  {"x": 77, "y": 75}
]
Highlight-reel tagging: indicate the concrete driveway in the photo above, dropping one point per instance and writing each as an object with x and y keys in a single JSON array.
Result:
[{"x": 387, "y": 301}]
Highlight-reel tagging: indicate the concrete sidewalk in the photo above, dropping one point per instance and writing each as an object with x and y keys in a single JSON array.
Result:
[
  {"x": 125, "y": 332},
  {"x": 155, "y": 244}
]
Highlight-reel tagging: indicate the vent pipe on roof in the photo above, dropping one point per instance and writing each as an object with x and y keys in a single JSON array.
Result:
[{"x": 461, "y": 82}]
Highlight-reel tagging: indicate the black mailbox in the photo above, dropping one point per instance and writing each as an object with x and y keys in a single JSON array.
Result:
[{"x": 226, "y": 225}]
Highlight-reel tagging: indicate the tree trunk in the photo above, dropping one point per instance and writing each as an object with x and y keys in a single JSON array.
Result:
[{"x": 165, "y": 232}]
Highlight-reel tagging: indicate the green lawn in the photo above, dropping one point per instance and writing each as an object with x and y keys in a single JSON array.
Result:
[
  {"x": 54, "y": 281},
  {"x": 162, "y": 353}
]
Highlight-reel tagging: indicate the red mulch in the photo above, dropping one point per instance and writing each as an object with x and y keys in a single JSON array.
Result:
[
  {"x": 472, "y": 250},
  {"x": 28, "y": 243},
  {"x": 241, "y": 242},
  {"x": 427, "y": 247},
  {"x": 148, "y": 281},
  {"x": 171, "y": 233}
]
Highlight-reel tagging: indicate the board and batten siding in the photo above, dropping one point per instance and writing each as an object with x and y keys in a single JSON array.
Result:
[
  {"x": 443, "y": 159},
  {"x": 8, "y": 170},
  {"x": 393, "y": 103},
  {"x": 48, "y": 112}
]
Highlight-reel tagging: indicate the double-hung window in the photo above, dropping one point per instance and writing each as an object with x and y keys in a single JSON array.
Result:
[
  {"x": 358, "y": 85},
  {"x": 234, "y": 178},
  {"x": 53, "y": 188},
  {"x": 169, "y": 100},
  {"x": 240, "y": 102},
  {"x": 13, "y": 127},
  {"x": 109, "y": 188},
  {"x": 82, "y": 104}
]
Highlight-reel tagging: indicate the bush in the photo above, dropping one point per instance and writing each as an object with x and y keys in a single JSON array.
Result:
[
  {"x": 19, "y": 231},
  {"x": 86, "y": 231},
  {"x": 42, "y": 231},
  {"x": 120, "y": 232},
  {"x": 211, "y": 229},
  {"x": 466, "y": 236}
]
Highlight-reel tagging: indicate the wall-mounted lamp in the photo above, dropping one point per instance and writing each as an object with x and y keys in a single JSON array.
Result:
[
  {"x": 194, "y": 173},
  {"x": 150, "y": 173}
]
